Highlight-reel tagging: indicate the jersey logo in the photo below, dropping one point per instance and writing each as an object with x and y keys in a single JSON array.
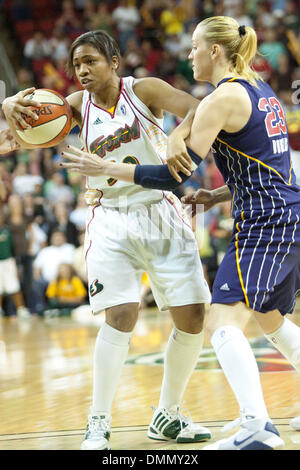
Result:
[
  {"x": 123, "y": 109},
  {"x": 95, "y": 287},
  {"x": 123, "y": 135},
  {"x": 225, "y": 287},
  {"x": 98, "y": 121}
]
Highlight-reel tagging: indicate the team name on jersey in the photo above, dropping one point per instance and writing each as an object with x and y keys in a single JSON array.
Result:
[
  {"x": 123, "y": 135},
  {"x": 280, "y": 145}
]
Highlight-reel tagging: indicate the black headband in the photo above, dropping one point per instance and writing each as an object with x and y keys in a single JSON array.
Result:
[{"x": 242, "y": 30}]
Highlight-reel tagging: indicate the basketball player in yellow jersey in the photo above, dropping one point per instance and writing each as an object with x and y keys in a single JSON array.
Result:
[{"x": 121, "y": 121}]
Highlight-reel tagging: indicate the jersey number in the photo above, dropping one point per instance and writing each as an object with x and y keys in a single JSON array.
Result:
[
  {"x": 275, "y": 123},
  {"x": 129, "y": 159}
]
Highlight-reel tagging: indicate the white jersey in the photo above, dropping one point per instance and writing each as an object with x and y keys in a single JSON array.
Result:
[{"x": 131, "y": 134}]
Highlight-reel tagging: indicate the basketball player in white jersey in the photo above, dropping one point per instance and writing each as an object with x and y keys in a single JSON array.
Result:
[{"x": 130, "y": 230}]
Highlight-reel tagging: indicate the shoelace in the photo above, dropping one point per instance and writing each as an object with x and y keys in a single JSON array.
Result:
[
  {"x": 97, "y": 426},
  {"x": 184, "y": 420}
]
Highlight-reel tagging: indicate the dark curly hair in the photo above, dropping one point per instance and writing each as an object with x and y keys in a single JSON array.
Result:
[{"x": 101, "y": 41}]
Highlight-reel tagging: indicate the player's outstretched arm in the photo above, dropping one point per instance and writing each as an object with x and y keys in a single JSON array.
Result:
[
  {"x": 7, "y": 142},
  {"x": 148, "y": 176}
]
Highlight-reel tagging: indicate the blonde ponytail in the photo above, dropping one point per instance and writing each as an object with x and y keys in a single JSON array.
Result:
[{"x": 239, "y": 42}]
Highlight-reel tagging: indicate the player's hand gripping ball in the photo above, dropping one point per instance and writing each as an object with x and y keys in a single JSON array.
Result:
[{"x": 54, "y": 119}]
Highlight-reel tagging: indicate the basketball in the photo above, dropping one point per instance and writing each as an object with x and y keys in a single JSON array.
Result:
[{"x": 54, "y": 119}]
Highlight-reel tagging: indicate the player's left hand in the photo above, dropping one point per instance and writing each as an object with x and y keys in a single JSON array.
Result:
[
  {"x": 178, "y": 158},
  {"x": 7, "y": 142},
  {"x": 82, "y": 162}
]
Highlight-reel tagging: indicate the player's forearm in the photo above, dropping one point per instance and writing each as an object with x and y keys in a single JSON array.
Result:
[
  {"x": 221, "y": 194},
  {"x": 21, "y": 143},
  {"x": 184, "y": 128},
  {"x": 7, "y": 142},
  {"x": 7, "y": 107},
  {"x": 148, "y": 176},
  {"x": 121, "y": 171}
]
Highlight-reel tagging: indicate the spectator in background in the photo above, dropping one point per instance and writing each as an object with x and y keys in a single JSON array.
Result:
[
  {"x": 55, "y": 76},
  {"x": 3, "y": 193},
  {"x": 68, "y": 20},
  {"x": 63, "y": 224},
  {"x": 263, "y": 67},
  {"x": 172, "y": 45},
  {"x": 78, "y": 215},
  {"x": 213, "y": 177},
  {"x": 132, "y": 58},
  {"x": 7, "y": 182},
  {"x": 34, "y": 163},
  {"x": 150, "y": 12},
  {"x": 59, "y": 44},
  {"x": 291, "y": 17},
  {"x": 280, "y": 79},
  {"x": 126, "y": 17},
  {"x": 172, "y": 18},
  {"x": 166, "y": 68},
  {"x": 264, "y": 16},
  {"x": 20, "y": 228},
  {"x": 66, "y": 291},
  {"x": 9, "y": 278},
  {"x": 79, "y": 258},
  {"x": 23, "y": 182},
  {"x": 151, "y": 56},
  {"x": 102, "y": 19},
  {"x": 241, "y": 15},
  {"x": 205, "y": 247},
  {"x": 271, "y": 48},
  {"x": 88, "y": 14},
  {"x": 59, "y": 191},
  {"x": 45, "y": 266},
  {"x": 25, "y": 79},
  {"x": 36, "y": 48},
  {"x": 221, "y": 229}
]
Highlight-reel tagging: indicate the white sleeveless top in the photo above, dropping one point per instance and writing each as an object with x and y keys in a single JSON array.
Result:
[{"x": 132, "y": 134}]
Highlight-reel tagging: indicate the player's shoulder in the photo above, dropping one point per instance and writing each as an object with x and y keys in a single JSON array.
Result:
[
  {"x": 149, "y": 86},
  {"x": 230, "y": 90},
  {"x": 229, "y": 95},
  {"x": 75, "y": 99}
]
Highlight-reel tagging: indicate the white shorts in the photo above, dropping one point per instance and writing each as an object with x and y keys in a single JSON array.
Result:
[
  {"x": 157, "y": 239},
  {"x": 9, "y": 279}
]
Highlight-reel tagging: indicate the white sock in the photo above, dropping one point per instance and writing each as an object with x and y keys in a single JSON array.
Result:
[
  {"x": 111, "y": 351},
  {"x": 239, "y": 365},
  {"x": 287, "y": 340},
  {"x": 181, "y": 357}
]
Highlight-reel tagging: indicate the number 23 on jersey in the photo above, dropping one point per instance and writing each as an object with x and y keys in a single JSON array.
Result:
[{"x": 274, "y": 120}]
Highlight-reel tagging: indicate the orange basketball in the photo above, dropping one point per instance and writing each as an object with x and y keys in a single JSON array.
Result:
[{"x": 54, "y": 119}]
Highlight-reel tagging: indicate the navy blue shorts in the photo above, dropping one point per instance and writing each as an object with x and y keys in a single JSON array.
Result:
[{"x": 262, "y": 264}]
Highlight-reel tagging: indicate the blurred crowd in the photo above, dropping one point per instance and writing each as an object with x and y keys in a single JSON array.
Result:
[{"x": 43, "y": 216}]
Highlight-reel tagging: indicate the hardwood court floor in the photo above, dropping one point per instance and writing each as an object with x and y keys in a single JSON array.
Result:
[{"x": 46, "y": 384}]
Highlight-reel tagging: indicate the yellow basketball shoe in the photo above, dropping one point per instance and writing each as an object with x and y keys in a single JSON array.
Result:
[
  {"x": 97, "y": 433},
  {"x": 171, "y": 425}
]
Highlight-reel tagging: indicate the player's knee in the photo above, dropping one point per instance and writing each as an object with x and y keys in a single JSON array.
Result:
[
  {"x": 190, "y": 319},
  {"x": 122, "y": 318}
]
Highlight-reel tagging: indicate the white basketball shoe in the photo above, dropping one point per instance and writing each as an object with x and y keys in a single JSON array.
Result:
[
  {"x": 97, "y": 433},
  {"x": 254, "y": 434},
  {"x": 295, "y": 423},
  {"x": 171, "y": 425}
]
